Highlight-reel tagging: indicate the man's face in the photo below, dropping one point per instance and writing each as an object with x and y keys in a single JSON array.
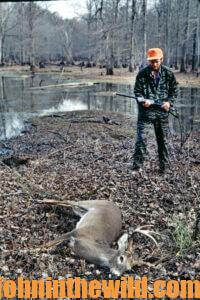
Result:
[{"x": 155, "y": 64}]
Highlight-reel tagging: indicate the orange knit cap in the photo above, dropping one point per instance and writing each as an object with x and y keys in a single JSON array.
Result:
[{"x": 154, "y": 53}]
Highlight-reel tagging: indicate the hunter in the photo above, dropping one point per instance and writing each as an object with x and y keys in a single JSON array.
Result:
[{"x": 155, "y": 81}]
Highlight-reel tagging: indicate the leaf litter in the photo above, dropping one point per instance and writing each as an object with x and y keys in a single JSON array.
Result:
[{"x": 86, "y": 156}]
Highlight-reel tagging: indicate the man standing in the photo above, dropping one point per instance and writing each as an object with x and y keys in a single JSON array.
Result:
[{"x": 153, "y": 82}]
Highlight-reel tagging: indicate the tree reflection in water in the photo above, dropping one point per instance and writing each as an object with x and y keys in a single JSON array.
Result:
[{"x": 18, "y": 102}]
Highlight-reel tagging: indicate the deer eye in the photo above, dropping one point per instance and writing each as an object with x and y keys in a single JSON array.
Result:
[{"x": 121, "y": 259}]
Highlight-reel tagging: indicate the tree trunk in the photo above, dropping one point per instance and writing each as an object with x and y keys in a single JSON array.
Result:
[
  {"x": 2, "y": 109},
  {"x": 110, "y": 56},
  {"x": 1, "y": 46},
  {"x": 198, "y": 36},
  {"x": 158, "y": 40},
  {"x": 31, "y": 38},
  {"x": 168, "y": 35},
  {"x": 194, "y": 49},
  {"x": 111, "y": 41},
  {"x": 177, "y": 35},
  {"x": 133, "y": 12},
  {"x": 89, "y": 20},
  {"x": 125, "y": 56},
  {"x": 2, "y": 50},
  {"x": 144, "y": 25},
  {"x": 185, "y": 38},
  {"x": 22, "y": 50}
]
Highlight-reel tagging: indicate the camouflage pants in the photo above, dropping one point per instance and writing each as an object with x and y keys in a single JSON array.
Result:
[{"x": 161, "y": 129}]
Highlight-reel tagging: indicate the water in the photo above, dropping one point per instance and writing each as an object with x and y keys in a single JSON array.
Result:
[{"x": 21, "y": 98}]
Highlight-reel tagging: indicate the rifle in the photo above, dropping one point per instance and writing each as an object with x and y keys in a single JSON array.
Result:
[{"x": 157, "y": 104}]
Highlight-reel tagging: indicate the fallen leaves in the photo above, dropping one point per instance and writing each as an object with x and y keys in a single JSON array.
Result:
[{"x": 90, "y": 162}]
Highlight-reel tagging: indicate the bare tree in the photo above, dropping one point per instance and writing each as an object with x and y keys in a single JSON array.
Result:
[
  {"x": 133, "y": 13},
  {"x": 66, "y": 31},
  {"x": 198, "y": 35},
  {"x": 176, "y": 30},
  {"x": 89, "y": 20},
  {"x": 21, "y": 12},
  {"x": 5, "y": 12},
  {"x": 33, "y": 12},
  {"x": 194, "y": 30},
  {"x": 144, "y": 29},
  {"x": 185, "y": 37},
  {"x": 168, "y": 5},
  {"x": 110, "y": 38}
]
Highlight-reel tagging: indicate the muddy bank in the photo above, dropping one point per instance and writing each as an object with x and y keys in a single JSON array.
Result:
[{"x": 85, "y": 156}]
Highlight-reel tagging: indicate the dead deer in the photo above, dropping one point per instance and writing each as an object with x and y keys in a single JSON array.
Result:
[{"x": 98, "y": 228}]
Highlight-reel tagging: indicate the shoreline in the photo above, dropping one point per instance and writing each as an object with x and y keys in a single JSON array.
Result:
[{"x": 121, "y": 75}]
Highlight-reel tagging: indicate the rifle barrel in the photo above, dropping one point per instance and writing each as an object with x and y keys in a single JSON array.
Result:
[{"x": 125, "y": 95}]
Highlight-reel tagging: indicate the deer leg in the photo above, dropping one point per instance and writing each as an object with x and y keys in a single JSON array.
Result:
[
  {"x": 54, "y": 202},
  {"x": 67, "y": 237},
  {"x": 77, "y": 209}
]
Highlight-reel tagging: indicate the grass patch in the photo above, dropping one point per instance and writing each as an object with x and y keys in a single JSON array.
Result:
[{"x": 182, "y": 236}]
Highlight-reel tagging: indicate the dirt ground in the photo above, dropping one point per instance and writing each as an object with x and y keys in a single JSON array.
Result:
[{"x": 79, "y": 156}]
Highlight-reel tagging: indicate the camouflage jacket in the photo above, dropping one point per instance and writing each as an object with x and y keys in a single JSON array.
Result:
[{"x": 147, "y": 87}]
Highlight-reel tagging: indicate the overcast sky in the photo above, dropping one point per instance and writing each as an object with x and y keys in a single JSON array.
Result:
[
  {"x": 72, "y": 8},
  {"x": 68, "y": 8}
]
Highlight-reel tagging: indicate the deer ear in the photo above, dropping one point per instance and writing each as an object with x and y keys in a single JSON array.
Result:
[{"x": 123, "y": 242}]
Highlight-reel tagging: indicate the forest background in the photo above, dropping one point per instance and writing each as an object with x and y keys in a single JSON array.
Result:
[{"x": 110, "y": 34}]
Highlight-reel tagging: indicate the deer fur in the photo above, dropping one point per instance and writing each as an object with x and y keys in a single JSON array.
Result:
[{"x": 99, "y": 226}]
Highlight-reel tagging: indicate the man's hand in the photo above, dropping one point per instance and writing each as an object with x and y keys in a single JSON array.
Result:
[
  {"x": 147, "y": 103},
  {"x": 166, "y": 105}
]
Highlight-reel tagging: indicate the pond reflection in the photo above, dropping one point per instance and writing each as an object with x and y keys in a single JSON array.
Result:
[
  {"x": 26, "y": 96},
  {"x": 188, "y": 105},
  {"x": 67, "y": 105}
]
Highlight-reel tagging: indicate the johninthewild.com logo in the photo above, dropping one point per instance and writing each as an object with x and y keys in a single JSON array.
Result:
[{"x": 125, "y": 287}]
